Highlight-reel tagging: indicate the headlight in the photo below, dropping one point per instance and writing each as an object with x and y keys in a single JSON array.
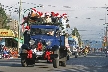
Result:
[
  {"x": 31, "y": 42},
  {"x": 48, "y": 43}
]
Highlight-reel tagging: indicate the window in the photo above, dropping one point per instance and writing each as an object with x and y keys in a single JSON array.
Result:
[{"x": 39, "y": 31}]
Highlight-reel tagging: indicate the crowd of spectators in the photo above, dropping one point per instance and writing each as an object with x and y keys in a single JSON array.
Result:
[{"x": 8, "y": 53}]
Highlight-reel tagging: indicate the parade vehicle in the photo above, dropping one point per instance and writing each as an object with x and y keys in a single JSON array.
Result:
[
  {"x": 39, "y": 44},
  {"x": 44, "y": 40},
  {"x": 73, "y": 46}
]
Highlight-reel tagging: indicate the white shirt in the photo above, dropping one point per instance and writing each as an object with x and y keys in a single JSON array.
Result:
[{"x": 48, "y": 20}]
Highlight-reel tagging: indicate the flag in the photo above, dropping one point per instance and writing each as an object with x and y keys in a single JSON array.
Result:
[{"x": 23, "y": 27}]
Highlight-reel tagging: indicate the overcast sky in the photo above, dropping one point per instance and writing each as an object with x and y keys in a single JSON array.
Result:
[{"x": 82, "y": 9}]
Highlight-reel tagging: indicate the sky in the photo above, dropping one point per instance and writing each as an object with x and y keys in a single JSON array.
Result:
[{"x": 82, "y": 9}]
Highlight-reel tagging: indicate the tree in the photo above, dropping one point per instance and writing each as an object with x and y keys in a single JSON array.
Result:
[
  {"x": 76, "y": 33},
  {"x": 3, "y": 18}
]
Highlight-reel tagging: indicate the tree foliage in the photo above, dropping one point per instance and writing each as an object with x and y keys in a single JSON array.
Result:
[
  {"x": 3, "y": 18},
  {"x": 77, "y": 34}
]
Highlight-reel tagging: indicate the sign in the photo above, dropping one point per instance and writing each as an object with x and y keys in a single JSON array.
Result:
[{"x": 4, "y": 33}]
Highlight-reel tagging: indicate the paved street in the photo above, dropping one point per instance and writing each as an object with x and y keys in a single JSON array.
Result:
[{"x": 95, "y": 62}]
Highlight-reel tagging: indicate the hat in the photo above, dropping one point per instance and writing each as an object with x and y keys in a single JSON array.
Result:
[
  {"x": 34, "y": 10},
  {"x": 64, "y": 15},
  {"x": 27, "y": 27},
  {"x": 52, "y": 13},
  {"x": 47, "y": 14},
  {"x": 58, "y": 15},
  {"x": 43, "y": 15}
]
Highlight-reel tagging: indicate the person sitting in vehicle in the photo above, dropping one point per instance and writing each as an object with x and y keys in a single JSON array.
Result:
[
  {"x": 47, "y": 18},
  {"x": 37, "y": 31},
  {"x": 51, "y": 32},
  {"x": 34, "y": 16}
]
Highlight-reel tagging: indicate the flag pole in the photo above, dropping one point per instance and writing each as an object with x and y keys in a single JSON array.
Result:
[{"x": 19, "y": 26}]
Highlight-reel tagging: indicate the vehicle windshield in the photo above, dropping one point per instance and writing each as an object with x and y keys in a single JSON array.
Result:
[
  {"x": 39, "y": 31},
  {"x": 71, "y": 42}
]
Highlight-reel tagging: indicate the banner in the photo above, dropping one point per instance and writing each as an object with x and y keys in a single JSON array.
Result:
[{"x": 4, "y": 33}]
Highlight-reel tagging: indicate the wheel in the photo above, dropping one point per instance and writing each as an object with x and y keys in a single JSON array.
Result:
[
  {"x": 76, "y": 55},
  {"x": 84, "y": 55},
  {"x": 56, "y": 60},
  {"x": 55, "y": 63},
  {"x": 80, "y": 54},
  {"x": 49, "y": 61},
  {"x": 68, "y": 57},
  {"x": 24, "y": 62},
  {"x": 33, "y": 65},
  {"x": 106, "y": 55},
  {"x": 63, "y": 63}
]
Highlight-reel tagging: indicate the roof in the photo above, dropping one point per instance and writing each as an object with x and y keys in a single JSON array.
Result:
[
  {"x": 44, "y": 26},
  {"x": 21, "y": 41}
]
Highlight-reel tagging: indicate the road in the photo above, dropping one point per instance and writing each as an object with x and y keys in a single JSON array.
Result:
[{"x": 95, "y": 62}]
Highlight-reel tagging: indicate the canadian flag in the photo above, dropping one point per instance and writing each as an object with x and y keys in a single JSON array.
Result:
[{"x": 23, "y": 27}]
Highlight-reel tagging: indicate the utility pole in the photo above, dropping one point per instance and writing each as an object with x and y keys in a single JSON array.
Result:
[
  {"x": 106, "y": 37},
  {"x": 19, "y": 25},
  {"x": 106, "y": 28}
]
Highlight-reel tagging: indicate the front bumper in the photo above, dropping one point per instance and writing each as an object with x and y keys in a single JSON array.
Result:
[{"x": 25, "y": 55}]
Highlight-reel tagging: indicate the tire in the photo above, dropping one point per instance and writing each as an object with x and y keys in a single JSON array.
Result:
[
  {"x": 68, "y": 57},
  {"x": 55, "y": 63},
  {"x": 24, "y": 62},
  {"x": 80, "y": 54},
  {"x": 49, "y": 61},
  {"x": 84, "y": 55},
  {"x": 33, "y": 65},
  {"x": 76, "y": 56},
  {"x": 56, "y": 60},
  {"x": 63, "y": 63}
]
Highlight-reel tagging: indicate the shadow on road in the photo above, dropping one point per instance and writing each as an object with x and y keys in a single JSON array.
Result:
[
  {"x": 1, "y": 71},
  {"x": 80, "y": 69},
  {"x": 43, "y": 67},
  {"x": 86, "y": 69},
  {"x": 17, "y": 63},
  {"x": 10, "y": 64}
]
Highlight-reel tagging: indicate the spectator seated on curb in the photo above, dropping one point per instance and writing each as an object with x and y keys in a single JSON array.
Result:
[{"x": 6, "y": 53}]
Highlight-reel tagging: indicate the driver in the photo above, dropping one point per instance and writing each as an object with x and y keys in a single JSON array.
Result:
[{"x": 38, "y": 31}]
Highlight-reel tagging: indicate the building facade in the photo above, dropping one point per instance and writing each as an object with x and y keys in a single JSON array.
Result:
[{"x": 12, "y": 23}]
